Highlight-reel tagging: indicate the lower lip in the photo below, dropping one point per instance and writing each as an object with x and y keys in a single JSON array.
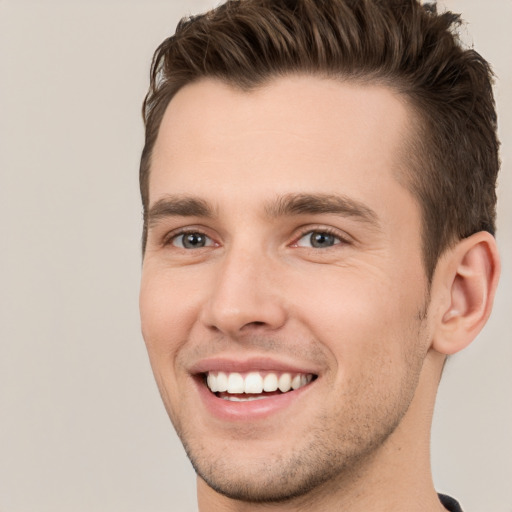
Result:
[{"x": 248, "y": 410}]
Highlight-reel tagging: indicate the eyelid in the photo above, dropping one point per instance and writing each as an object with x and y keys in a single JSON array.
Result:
[
  {"x": 340, "y": 235},
  {"x": 169, "y": 237}
]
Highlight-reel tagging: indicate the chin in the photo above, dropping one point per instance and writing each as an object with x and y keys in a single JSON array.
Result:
[
  {"x": 283, "y": 477},
  {"x": 271, "y": 483}
]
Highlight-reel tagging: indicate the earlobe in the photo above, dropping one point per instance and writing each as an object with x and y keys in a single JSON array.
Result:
[{"x": 468, "y": 276}]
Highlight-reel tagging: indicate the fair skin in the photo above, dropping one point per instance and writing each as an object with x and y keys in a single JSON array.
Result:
[{"x": 281, "y": 241}]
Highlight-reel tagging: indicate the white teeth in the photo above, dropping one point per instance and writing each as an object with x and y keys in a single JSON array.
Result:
[
  {"x": 253, "y": 383},
  {"x": 222, "y": 381},
  {"x": 285, "y": 382},
  {"x": 235, "y": 383},
  {"x": 296, "y": 382},
  {"x": 270, "y": 382},
  {"x": 211, "y": 380},
  {"x": 235, "y": 398}
]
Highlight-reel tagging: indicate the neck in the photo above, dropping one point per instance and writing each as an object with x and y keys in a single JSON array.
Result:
[{"x": 396, "y": 477}]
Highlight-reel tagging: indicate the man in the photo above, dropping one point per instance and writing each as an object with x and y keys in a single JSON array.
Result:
[{"x": 318, "y": 184}]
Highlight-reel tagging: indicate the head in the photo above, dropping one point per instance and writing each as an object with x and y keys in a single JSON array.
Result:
[{"x": 318, "y": 187}]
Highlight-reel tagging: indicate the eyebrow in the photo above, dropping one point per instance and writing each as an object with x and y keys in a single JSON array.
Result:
[
  {"x": 314, "y": 204},
  {"x": 179, "y": 206},
  {"x": 282, "y": 206}
]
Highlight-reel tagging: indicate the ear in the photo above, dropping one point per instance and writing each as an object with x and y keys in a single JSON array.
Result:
[{"x": 464, "y": 285}]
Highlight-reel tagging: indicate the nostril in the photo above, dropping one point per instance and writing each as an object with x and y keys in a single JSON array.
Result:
[{"x": 253, "y": 326}]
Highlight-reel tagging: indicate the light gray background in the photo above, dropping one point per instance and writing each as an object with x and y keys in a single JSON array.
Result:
[{"x": 82, "y": 428}]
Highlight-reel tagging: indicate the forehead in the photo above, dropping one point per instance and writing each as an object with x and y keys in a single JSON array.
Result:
[{"x": 294, "y": 135}]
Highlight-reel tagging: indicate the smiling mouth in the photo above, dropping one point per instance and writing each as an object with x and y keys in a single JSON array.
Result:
[{"x": 244, "y": 387}]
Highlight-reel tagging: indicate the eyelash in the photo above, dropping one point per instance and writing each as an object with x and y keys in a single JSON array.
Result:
[
  {"x": 323, "y": 230},
  {"x": 171, "y": 237}
]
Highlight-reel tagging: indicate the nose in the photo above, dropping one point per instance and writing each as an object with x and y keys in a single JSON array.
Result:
[{"x": 246, "y": 295}]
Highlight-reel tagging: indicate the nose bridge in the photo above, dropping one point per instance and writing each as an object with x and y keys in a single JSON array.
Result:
[{"x": 245, "y": 292}]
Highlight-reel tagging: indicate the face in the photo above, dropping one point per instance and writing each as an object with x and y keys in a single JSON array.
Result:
[{"x": 283, "y": 291}]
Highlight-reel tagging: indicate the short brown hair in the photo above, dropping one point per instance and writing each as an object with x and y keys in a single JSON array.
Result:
[{"x": 453, "y": 157}]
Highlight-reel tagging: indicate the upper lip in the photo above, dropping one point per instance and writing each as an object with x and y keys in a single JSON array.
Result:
[{"x": 242, "y": 365}]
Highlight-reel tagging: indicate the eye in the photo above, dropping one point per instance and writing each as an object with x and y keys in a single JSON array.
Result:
[
  {"x": 192, "y": 240},
  {"x": 318, "y": 240}
]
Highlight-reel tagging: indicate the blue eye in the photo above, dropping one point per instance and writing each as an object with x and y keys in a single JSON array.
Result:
[
  {"x": 318, "y": 240},
  {"x": 192, "y": 240}
]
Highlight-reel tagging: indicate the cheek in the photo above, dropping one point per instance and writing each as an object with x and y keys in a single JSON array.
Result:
[
  {"x": 165, "y": 323},
  {"x": 364, "y": 318},
  {"x": 374, "y": 338},
  {"x": 166, "y": 314}
]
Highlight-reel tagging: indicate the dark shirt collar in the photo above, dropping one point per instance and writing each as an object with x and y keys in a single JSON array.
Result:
[{"x": 449, "y": 503}]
